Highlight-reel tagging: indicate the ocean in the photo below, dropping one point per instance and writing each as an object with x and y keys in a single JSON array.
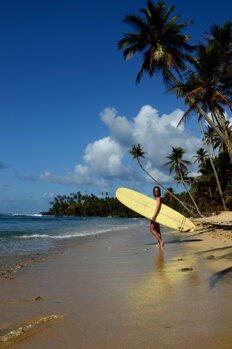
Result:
[{"x": 37, "y": 234}]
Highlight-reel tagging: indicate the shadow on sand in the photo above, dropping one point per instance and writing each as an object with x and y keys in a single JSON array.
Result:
[
  {"x": 225, "y": 274},
  {"x": 214, "y": 249},
  {"x": 175, "y": 241}
]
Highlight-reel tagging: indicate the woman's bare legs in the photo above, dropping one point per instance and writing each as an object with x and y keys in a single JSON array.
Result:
[{"x": 155, "y": 230}]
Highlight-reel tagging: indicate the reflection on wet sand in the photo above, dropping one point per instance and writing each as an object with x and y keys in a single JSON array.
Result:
[
  {"x": 159, "y": 260},
  {"x": 160, "y": 274},
  {"x": 162, "y": 285}
]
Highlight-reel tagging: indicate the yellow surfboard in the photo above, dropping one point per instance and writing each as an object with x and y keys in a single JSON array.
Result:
[{"x": 145, "y": 206}]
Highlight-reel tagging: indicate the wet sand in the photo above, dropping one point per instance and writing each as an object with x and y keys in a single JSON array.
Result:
[{"x": 118, "y": 290}]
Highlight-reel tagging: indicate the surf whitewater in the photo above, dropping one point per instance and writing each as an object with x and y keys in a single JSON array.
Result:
[{"x": 32, "y": 234}]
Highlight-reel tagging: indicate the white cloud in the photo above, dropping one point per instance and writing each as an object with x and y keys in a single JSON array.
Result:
[
  {"x": 159, "y": 175},
  {"x": 48, "y": 196},
  {"x": 120, "y": 127},
  {"x": 104, "y": 157},
  {"x": 105, "y": 161},
  {"x": 78, "y": 177},
  {"x": 158, "y": 135}
]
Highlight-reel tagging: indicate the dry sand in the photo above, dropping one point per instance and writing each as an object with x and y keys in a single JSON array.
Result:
[{"x": 118, "y": 290}]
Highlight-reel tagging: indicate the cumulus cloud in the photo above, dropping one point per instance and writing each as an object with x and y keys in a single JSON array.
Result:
[
  {"x": 106, "y": 160},
  {"x": 121, "y": 129},
  {"x": 157, "y": 134},
  {"x": 104, "y": 157}
]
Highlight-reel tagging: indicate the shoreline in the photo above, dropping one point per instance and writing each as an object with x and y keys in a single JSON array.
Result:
[
  {"x": 119, "y": 290},
  {"x": 9, "y": 265}
]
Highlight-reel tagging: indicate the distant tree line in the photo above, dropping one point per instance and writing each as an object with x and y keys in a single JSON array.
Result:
[{"x": 78, "y": 204}]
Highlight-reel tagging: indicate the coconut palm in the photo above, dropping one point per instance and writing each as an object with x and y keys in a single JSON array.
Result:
[
  {"x": 137, "y": 153},
  {"x": 167, "y": 196},
  {"x": 213, "y": 139},
  {"x": 213, "y": 167},
  {"x": 200, "y": 156},
  {"x": 220, "y": 39},
  {"x": 184, "y": 176},
  {"x": 159, "y": 38},
  {"x": 208, "y": 85},
  {"x": 223, "y": 168},
  {"x": 179, "y": 166},
  {"x": 164, "y": 49}
]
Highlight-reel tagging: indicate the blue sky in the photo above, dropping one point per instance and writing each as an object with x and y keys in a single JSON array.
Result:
[{"x": 70, "y": 108}]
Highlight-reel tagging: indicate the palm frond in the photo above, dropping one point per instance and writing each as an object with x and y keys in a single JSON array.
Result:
[{"x": 190, "y": 109}]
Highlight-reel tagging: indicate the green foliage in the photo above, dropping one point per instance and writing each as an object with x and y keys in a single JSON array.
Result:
[
  {"x": 171, "y": 202},
  {"x": 88, "y": 205},
  {"x": 204, "y": 81},
  {"x": 159, "y": 38},
  {"x": 204, "y": 187}
]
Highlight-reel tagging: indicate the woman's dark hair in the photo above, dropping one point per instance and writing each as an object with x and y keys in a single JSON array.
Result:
[{"x": 154, "y": 190}]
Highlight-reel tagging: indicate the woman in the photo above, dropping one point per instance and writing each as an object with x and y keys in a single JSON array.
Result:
[{"x": 154, "y": 226}]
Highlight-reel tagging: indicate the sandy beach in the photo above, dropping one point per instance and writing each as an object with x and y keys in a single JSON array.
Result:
[{"x": 118, "y": 290}]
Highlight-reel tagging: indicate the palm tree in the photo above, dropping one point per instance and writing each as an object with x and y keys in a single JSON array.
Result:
[
  {"x": 184, "y": 176},
  {"x": 200, "y": 156},
  {"x": 164, "y": 49},
  {"x": 202, "y": 159},
  {"x": 137, "y": 153},
  {"x": 208, "y": 85},
  {"x": 213, "y": 139},
  {"x": 159, "y": 38},
  {"x": 219, "y": 39},
  {"x": 179, "y": 166},
  {"x": 213, "y": 167},
  {"x": 168, "y": 196}
]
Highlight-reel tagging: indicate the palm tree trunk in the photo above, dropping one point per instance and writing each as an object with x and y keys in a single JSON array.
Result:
[
  {"x": 223, "y": 124},
  {"x": 181, "y": 202},
  {"x": 214, "y": 170},
  {"x": 190, "y": 195},
  {"x": 210, "y": 122},
  {"x": 223, "y": 137},
  {"x": 210, "y": 192}
]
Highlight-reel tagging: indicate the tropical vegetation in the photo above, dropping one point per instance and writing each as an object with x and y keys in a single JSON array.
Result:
[
  {"x": 78, "y": 204},
  {"x": 202, "y": 76}
]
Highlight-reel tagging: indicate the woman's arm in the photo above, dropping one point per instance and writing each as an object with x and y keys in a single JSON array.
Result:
[{"x": 157, "y": 209}]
